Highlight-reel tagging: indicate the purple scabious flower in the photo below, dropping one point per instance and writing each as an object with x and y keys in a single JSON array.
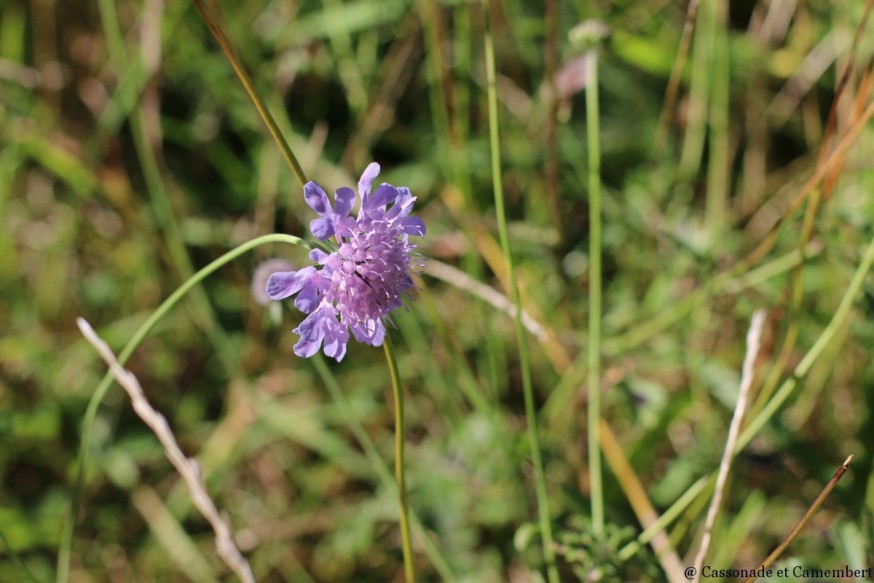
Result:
[{"x": 365, "y": 275}]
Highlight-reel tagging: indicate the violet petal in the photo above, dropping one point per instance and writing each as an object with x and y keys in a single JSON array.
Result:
[
  {"x": 316, "y": 198},
  {"x": 344, "y": 199},
  {"x": 322, "y": 228},
  {"x": 286, "y": 283},
  {"x": 384, "y": 194},
  {"x": 367, "y": 177},
  {"x": 311, "y": 331}
]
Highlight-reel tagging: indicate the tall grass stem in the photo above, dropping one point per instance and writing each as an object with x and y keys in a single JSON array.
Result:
[
  {"x": 718, "y": 167},
  {"x": 594, "y": 339},
  {"x": 694, "y": 137},
  {"x": 527, "y": 389}
]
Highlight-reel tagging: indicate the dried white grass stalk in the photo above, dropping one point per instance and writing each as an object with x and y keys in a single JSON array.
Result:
[
  {"x": 754, "y": 334},
  {"x": 187, "y": 467}
]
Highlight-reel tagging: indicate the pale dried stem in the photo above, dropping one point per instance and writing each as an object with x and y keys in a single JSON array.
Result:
[
  {"x": 461, "y": 280},
  {"x": 187, "y": 467},
  {"x": 753, "y": 336}
]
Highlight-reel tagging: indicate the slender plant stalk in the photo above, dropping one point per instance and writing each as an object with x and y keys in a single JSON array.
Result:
[
  {"x": 796, "y": 530},
  {"x": 594, "y": 340},
  {"x": 448, "y": 141},
  {"x": 249, "y": 86},
  {"x": 527, "y": 389},
  {"x": 718, "y": 167},
  {"x": 439, "y": 562},
  {"x": 694, "y": 137},
  {"x": 462, "y": 51},
  {"x": 550, "y": 64},
  {"x": 676, "y": 73},
  {"x": 91, "y": 412},
  {"x": 398, "y": 392}
]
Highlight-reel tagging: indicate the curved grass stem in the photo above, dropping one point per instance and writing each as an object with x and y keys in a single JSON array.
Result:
[{"x": 65, "y": 548}]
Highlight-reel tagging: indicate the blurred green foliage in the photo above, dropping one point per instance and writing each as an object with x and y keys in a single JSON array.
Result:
[{"x": 130, "y": 156}]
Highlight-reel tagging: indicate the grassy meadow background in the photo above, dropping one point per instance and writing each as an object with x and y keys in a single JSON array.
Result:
[{"x": 130, "y": 157}]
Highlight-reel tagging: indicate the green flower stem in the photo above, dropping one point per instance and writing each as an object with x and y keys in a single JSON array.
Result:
[
  {"x": 594, "y": 340},
  {"x": 527, "y": 389},
  {"x": 398, "y": 392},
  {"x": 143, "y": 331},
  {"x": 441, "y": 565},
  {"x": 249, "y": 87}
]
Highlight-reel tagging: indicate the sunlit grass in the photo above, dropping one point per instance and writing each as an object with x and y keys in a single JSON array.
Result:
[{"x": 130, "y": 159}]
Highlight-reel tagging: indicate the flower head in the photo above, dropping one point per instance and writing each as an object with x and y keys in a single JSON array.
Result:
[{"x": 365, "y": 275}]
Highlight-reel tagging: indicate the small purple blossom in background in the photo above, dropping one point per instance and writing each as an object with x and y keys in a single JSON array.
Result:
[{"x": 365, "y": 277}]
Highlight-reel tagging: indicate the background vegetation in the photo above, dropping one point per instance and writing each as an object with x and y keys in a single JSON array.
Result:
[{"x": 130, "y": 157}]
